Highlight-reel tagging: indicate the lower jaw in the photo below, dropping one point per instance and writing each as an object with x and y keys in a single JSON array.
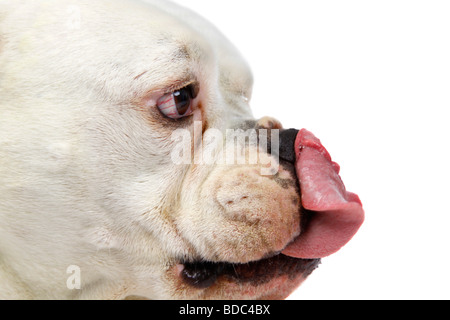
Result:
[{"x": 203, "y": 274}]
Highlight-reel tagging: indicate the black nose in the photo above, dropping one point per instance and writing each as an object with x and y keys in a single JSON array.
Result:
[{"x": 287, "y": 144}]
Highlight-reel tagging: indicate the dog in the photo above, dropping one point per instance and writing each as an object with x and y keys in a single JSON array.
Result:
[{"x": 94, "y": 205}]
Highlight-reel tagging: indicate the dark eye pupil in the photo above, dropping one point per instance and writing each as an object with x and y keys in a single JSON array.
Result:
[{"x": 183, "y": 99}]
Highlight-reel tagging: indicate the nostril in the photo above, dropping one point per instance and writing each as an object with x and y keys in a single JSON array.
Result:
[{"x": 287, "y": 144}]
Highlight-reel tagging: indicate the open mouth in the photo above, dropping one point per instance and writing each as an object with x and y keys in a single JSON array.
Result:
[
  {"x": 204, "y": 274},
  {"x": 330, "y": 216}
]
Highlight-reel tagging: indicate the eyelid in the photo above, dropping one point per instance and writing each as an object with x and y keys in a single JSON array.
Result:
[
  {"x": 178, "y": 86},
  {"x": 152, "y": 96}
]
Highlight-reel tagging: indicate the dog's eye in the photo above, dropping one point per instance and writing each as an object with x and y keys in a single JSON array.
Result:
[{"x": 177, "y": 104}]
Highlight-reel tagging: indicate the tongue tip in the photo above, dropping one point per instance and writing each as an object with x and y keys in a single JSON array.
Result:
[{"x": 330, "y": 237}]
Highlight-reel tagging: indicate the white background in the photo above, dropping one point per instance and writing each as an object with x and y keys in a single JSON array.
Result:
[{"x": 371, "y": 79}]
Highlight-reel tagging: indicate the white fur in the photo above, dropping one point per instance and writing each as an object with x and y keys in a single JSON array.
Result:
[{"x": 85, "y": 171}]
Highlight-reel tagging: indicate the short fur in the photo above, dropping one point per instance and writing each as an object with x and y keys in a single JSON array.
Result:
[{"x": 86, "y": 176}]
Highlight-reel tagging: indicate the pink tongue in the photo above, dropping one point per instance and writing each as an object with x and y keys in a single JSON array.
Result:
[{"x": 338, "y": 214}]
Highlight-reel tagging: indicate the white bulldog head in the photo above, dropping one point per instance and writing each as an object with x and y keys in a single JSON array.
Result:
[{"x": 92, "y": 96}]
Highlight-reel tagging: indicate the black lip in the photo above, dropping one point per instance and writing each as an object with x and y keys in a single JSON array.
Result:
[
  {"x": 204, "y": 274},
  {"x": 287, "y": 145}
]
